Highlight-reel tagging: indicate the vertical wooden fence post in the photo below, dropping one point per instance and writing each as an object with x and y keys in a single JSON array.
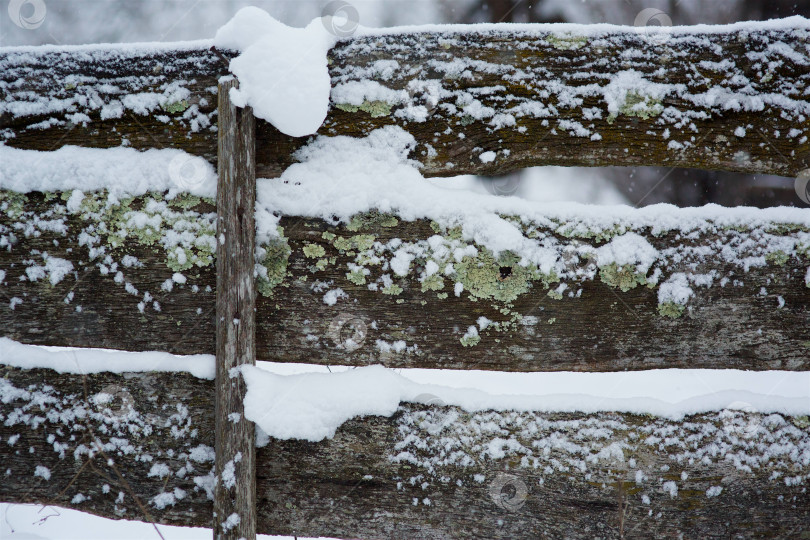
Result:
[{"x": 235, "y": 492}]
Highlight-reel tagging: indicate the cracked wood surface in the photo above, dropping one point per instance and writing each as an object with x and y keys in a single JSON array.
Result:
[{"x": 236, "y": 320}]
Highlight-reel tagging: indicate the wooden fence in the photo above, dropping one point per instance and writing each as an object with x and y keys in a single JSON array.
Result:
[{"x": 428, "y": 471}]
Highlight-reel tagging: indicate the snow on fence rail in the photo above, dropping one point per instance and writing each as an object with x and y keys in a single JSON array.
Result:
[
  {"x": 117, "y": 248},
  {"x": 428, "y": 471},
  {"x": 727, "y": 97}
]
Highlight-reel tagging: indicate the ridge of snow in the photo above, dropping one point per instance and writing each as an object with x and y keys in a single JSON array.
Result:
[
  {"x": 794, "y": 22},
  {"x": 305, "y": 401},
  {"x": 591, "y": 30},
  {"x": 120, "y": 171},
  {"x": 312, "y": 406},
  {"x": 338, "y": 177},
  {"x": 133, "y": 47},
  {"x": 82, "y": 361}
]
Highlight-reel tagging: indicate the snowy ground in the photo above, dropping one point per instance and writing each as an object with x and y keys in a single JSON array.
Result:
[{"x": 35, "y": 522}]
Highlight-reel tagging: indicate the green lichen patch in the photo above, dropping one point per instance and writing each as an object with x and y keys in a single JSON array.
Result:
[
  {"x": 625, "y": 277},
  {"x": 393, "y": 289},
  {"x": 12, "y": 203},
  {"x": 342, "y": 244},
  {"x": 186, "y": 201},
  {"x": 186, "y": 236},
  {"x": 321, "y": 265},
  {"x": 368, "y": 258},
  {"x": 567, "y": 42},
  {"x": 314, "y": 251},
  {"x": 577, "y": 230},
  {"x": 470, "y": 340},
  {"x": 375, "y": 108},
  {"x": 500, "y": 279},
  {"x": 639, "y": 105},
  {"x": 783, "y": 229},
  {"x": 271, "y": 265},
  {"x": 360, "y": 242},
  {"x": 555, "y": 294},
  {"x": 175, "y": 107},
  {"x": 672, "y": 310},
  {"x": 356, "y": 276},
  {"x": 432, "y": 283},
  {"x": 371, "y": 220},
  {"x": 450, "y": 233},
  {"x": 778, "y": 257}
]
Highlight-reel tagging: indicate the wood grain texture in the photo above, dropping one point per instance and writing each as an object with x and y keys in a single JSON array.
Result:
[
  {"x": 354, "y": 486},
  {"x": 604, "y": 329},
  {"x": 235, "y": 492},
  {"x": 542, "y": 95},
  {"x": 90, "y": 80},
  {"x": 109, "y": 429}
]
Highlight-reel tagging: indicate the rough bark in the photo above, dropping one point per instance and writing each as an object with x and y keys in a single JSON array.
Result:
[
  {"x": 109, "y": 429},
  {"x": 739, "y": 325},
  {"x": 235, "y": 492},
  {"x": 727, "y": 81},
  {"x": 90, "y": 80},
  {"x": 354, "y": 486}
]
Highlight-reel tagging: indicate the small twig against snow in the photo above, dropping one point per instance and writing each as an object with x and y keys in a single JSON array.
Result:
[
  {"x": 75, "y": 477},
  {"x": 111, "y": 463},
  {"x": 128, "y": 488}
]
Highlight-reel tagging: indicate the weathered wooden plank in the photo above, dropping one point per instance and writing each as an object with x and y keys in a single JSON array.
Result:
[
  {"x": 426, "y": 472},
  {"x": 729, "y": 100},
  {"x": 755, "y": 319},
  {"x": 148, "y": 437},
  {"x": 151, "y": 97},
  {"x": 235, "y": 491}
]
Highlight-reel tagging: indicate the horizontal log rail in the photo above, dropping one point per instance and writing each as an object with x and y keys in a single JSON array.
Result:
[
  {"x": 139, "y": 446},
  {"x": 730, "y": 100},
  {"x": 589, "y": 317}
]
